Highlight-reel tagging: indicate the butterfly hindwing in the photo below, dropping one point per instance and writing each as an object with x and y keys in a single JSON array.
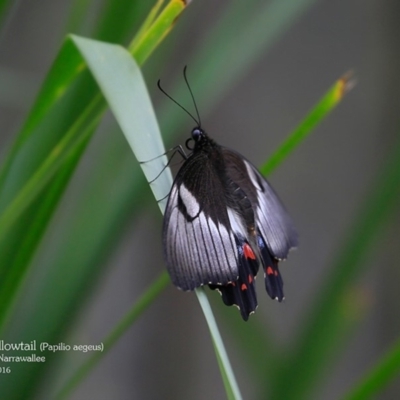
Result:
[
  {"x": 242, "y": 293},
  {"x": 271, "y": 217},
  {"x": 272, "y": 276},
  {"x": 275, "y": 233}
]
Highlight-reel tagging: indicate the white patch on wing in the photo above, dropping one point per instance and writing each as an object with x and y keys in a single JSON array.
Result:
[
  {"x": 252, "y": 175},
  {"x": 237, "y": 224},
  {"x": 190, "y": 202}
]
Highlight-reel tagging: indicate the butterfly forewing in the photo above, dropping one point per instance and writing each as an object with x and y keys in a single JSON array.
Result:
[{"x": 199, "y": 245}]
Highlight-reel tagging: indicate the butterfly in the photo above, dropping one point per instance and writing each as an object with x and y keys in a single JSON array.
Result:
[{"x": 223, "y": 221}]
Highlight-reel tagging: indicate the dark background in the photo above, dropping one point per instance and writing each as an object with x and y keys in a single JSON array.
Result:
[{"x": 168, "y": 352}]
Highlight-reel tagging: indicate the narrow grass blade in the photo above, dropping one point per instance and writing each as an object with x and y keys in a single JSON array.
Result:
[
  {"x": 146, "y": 24},
  {"x": 43, "y": 209},
  {"x": 329, "y": 101},
  {"x": 51, "y": 165},
  {"x": 323, "y": 325},
  {"x": 146, "y": 44},
  {"x": 253, "y": 30},
  {"x": 380, "y": 375},
  {"x": 5, "y": 5},
  {"x": 119, "y": 19},
  {"x": 256, "y": 345},
  {"x": 137, "y": 310},
  {"x": 63, "y": 280},
  {"x": 67, "y": 65},
  {"x": 231, "y": 386}
]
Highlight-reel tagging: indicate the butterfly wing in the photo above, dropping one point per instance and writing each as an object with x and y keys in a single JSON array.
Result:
[
  {"x": 242, "y": 292},
  {"x": 272, "y": 219},
  {"x": 199, "y": 246},
  {"x": 272, "y": 277},
  {"x": 274, "y": 230}
]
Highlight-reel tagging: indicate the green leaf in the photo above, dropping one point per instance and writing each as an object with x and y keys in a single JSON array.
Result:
[
  {"x": 35, "y": 170},
  {"x": 252, "y": 30},
  {"x": 323, "y": 327},
  {"x": 66, "y": 67},
  {"x": 329, "y": 101},
  {"x": 231, "y": 387},
  {"x": 382, "y": 373},
  {"x": 146, "y": 43},
  {"x": 131, "y": 107},
  {"x": 119, "y": 19},
  {"x": 38, "y": 154},
  {"x": 4, "y": 7},
  {"x": 137, "y": 310}
]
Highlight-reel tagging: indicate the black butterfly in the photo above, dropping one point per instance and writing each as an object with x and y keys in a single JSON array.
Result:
[{"x": 222, "y": 221}]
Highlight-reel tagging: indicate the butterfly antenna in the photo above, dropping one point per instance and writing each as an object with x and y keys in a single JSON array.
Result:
[
  {"x": 191, "y": 93},
  {"x": 183, "y": 108}
]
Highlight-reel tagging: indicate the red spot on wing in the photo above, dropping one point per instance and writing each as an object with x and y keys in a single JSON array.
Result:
[
  {"x": 270, "y": 271},
  {"x": 250, "y": 278},
  {"x": 248, "y": 252},
  {"x": 243, "y": 287},
  {"x": 276, "y": 272}
]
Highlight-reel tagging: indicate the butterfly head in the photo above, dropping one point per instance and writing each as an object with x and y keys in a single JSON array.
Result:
[
  {"x": 198, "y": 134},
  {"x": 199, "y": 138}
]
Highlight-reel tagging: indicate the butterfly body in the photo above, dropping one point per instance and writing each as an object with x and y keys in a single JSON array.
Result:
[{"x": 222, "y": 222}]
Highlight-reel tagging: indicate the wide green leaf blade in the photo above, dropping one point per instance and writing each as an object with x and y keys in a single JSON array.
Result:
[{"x": 131, "y": 107}]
